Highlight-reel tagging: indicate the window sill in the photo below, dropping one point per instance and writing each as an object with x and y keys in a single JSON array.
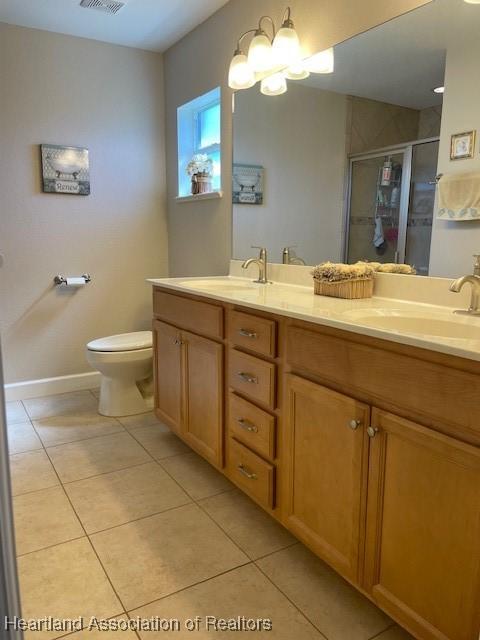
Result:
[{"x": 213, "y": 195}]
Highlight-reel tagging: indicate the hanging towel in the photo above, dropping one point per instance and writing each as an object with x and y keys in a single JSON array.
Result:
[
  {"x": 378, "y": 238},
  {"x": 459, "y": 197}
]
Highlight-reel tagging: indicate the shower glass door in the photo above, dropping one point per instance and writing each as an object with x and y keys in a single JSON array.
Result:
[
  {"x": 421, "y": 206},
  {"x": 378, "y": 206}
]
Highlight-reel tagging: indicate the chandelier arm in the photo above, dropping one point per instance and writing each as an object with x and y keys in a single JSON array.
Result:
[
  {"x": 245, "y": 33},
  {"x": 271, "y": 22},
  {"x": 286, "y": 19}
]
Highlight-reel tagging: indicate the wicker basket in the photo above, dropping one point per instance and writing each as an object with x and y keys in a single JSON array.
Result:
[{"x": 357, "y": 288}]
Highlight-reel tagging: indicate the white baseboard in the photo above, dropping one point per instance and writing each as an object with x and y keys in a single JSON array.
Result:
[{"x": 50, "y": 386}]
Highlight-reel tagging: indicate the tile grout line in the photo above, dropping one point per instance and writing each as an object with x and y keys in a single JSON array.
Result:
[
  {"x": 121, "y": 431},
  {"x": 50, "y": 546},
  {"x": 121, "y": 615},
  {"x": 266, "y": 555},
  {"x": 194, "y": 584},
  {"x": 390, "y": 626},
  {"x": 100, "y": 435},
  {"x": 290, "y": 600},
  {"x": 105, "y": 473},
  {"x": 150, "y": 515}
]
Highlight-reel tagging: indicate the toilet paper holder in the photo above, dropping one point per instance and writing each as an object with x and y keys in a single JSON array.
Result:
[{"x": 59, "y": 279}]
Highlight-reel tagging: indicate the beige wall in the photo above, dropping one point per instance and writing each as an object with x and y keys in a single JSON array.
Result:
[
  {"x": 299, "y": 138},
  {"x": 65, "y": 90},
  {"x": 453, "y": 243},
  {"x": 200, "y": 233}
]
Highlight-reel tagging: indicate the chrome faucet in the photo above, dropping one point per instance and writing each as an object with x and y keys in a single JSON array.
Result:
[
  {"x": 474, "y": 281},
  {"x": 289, "y": 257},
  {"x": 261, "y": 261}
]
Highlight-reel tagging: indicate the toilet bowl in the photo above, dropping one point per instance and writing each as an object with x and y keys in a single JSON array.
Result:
[{"x": 125, "y": 362}]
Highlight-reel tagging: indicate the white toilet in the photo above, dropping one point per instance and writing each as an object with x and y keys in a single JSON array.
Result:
[{"x": 125, "y": 362}]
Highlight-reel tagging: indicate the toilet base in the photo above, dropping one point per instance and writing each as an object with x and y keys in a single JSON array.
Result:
[{"x": 122, "y": 398}]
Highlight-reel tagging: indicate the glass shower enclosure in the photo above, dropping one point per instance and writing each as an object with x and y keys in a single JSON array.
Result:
[{"x": 390, "y": 203}]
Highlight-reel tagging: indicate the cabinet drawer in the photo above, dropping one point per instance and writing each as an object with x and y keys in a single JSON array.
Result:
[
  {"x": 252, "y": 377},
  {"x": 252, "y": 332},
  {"x": 200, "y": 317},
  {"x": 252, "y": 426},
  {"x": 252, "y": 473}
]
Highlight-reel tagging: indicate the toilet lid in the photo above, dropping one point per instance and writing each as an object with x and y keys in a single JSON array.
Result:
[{"x": 122, "y": 342}]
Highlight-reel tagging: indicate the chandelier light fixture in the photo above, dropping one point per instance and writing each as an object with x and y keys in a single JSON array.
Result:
[{"x": 274, "y": 58}]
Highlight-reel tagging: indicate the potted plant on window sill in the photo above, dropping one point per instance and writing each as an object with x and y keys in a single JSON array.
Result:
[{"x": 200, "y": 170}]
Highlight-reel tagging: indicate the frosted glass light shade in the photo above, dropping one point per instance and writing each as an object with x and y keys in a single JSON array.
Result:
[
  {"x": 260, "y": 57},
  {"x": 297, "y": 71},
  {"x": 273, "y": 85},
  {"x": 321, "y": 62},
  {"x": 240, "y": 73},
  {"x": 286, "y": 47}
]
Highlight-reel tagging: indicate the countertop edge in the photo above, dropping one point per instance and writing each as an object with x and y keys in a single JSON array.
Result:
[{"x": 352, "y": 327}]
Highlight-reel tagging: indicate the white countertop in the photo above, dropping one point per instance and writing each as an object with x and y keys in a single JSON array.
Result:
[{"x": 418, "y": 324}]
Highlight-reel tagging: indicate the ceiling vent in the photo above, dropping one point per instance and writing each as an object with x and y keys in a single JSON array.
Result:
[{"x": 107, "y": 6}]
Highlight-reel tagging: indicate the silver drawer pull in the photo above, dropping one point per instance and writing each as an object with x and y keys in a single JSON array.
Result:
[
  {"x": 245, "y": 472},
  {"x": 247, "y": 334},
  {"x": 248, "y": 426},
  {"x": 247, "y": 377}
]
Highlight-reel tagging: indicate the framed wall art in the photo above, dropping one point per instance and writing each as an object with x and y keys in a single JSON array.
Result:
[
  {"x": 247, "y": 184},
  {"x": 65, "y": 169},
  {"x": 462, "y": 145}
]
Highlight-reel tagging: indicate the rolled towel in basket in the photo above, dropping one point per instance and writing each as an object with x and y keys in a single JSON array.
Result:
[{"x": 459, "y": 197}]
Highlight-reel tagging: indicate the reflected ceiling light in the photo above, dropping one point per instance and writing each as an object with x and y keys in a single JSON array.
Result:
[
  {"x": 321, "y": 62},
  {"x": 442, "y": 89},
  {"x": 286, "y": 45},
  {"x": 472, "y": 1},
  {"x": 273, "y": 85},
  {"x": 240, "y": 73},
  {"x": 297, "y": 71}
]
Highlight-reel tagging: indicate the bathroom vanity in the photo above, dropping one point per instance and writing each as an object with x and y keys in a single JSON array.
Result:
[{"x": 363, "y": 442}]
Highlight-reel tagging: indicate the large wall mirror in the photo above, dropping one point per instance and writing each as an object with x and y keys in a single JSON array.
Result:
[{"x": 343, "y": 166}]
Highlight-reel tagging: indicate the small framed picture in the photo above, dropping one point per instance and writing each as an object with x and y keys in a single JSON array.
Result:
[
  {"x": 247, "y": 183},
  {"x": 462, "y": 145},
  {"x": 65, "y": 169}
]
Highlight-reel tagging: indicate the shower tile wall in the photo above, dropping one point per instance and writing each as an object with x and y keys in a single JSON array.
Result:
[
  {"x": 373, "y": 125},
  {"x": 429, "y": 122}
]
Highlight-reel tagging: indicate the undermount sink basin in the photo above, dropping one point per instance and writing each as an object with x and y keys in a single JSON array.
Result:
[
  {"x": 221, "y": 285},
  {"x": 456, "y": 327}
]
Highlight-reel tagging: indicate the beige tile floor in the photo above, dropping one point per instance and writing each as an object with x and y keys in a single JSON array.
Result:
[{"x": 118, "y": 519}]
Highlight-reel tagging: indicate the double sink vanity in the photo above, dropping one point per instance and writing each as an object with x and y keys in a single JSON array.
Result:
[{"x": 356, "y": 424}]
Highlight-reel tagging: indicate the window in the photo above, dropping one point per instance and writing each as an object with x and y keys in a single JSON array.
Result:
[{"x": 198, "y": 131}]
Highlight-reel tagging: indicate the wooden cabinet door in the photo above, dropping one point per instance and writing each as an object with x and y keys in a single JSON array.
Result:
[
  {"x": 326, "y": 464},
  {"x": 203, "y": 396},
  {"x": 423, "y": 529},
  {"x": 168, "y": 374}
]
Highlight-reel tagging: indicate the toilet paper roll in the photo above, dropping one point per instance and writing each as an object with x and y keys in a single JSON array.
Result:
[{"x": 75, "y": 282}]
